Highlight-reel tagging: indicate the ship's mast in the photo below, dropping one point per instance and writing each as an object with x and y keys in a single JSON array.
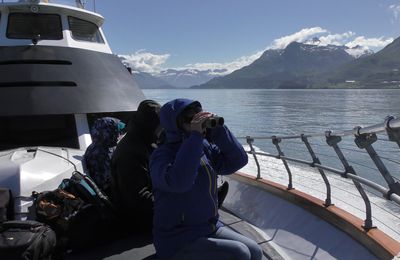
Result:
[{"x": 80, "y": 4}]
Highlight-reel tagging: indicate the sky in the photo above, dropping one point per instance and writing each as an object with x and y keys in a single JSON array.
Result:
[{"x": 155, "y": 35}]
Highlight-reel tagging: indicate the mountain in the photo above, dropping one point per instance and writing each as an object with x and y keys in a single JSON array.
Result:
[
  {"x": 147, "y": 81},
  {"x": 381, "y": 69},
  {"x": 292, "y": 67},
  {"x": 187, "y": 77}
]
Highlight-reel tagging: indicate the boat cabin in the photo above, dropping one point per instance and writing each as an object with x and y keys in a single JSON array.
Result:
[{"x": 57, "y": 75}]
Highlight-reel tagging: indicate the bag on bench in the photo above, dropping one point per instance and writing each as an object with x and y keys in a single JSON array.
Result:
[{"x": 26, "y": 240}]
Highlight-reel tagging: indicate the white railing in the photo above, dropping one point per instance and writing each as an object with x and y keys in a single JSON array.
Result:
[{"x": 364, "y": 137}]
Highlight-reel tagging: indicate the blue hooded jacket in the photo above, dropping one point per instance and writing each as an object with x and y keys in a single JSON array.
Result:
[
  {"x": 184, "y": 175},
  {"x": 104, "y": 133}
]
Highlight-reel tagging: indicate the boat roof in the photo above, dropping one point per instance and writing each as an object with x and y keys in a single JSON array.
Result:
[{"x": 51, "y": 7}]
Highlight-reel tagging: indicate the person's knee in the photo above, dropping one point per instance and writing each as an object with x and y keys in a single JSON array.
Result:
[
  {"x": 241, "y": 251},
  {"x": 256, "y": 252}
]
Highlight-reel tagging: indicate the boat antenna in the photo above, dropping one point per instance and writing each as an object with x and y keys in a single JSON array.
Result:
[
  {"x": 94, "y": 5},
  {"x": 80, "y": 4}
]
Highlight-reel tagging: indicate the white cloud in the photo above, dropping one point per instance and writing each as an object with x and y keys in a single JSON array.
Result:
[
  {"x": 145, "y": 61},
  {"x": 225, "y": 67},
  {"x": 299, "y": 36},
  {"x": 154, "y": 63},
  {"x": 335, "y": 39},
  {"x": 395, "y": 10},
  {"x": 370, "y": 43}
]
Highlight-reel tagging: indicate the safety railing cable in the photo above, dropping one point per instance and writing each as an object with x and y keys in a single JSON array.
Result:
[
  {"x": 276, "y": 142},
  {"x": 365, "y": 141},
  {"x": 333, "y": 141},
  {"x": 364, "y": 138},
  {"x": 250, "y": 142},
  {"x": 316, "y": 160}
]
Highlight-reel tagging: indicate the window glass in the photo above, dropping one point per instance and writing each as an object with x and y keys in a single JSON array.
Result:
[
  {"x": 84, "y": 31},
  {"x": 48, "y": 130},
  {"x": 34, "y": 26}
]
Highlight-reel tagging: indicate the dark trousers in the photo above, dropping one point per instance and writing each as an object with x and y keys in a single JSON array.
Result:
[{"x": 223, "y": 244}]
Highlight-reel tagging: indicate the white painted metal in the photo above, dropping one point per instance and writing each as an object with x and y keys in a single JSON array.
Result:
[
  {"x": 293, "y": 231},
  {"x": 64, "y": 12},
  {"x": 82, "y": 129},
  {"x": 36, "y": 169}
]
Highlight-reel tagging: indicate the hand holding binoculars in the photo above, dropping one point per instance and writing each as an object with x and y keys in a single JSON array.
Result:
[{"x": 213, "y": 121}]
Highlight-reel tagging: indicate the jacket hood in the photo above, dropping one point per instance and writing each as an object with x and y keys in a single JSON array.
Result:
[
  {"x": 105, "y": 131},
  {"x": 169, "y": 113},
  {"x": 145, "y": 120}
]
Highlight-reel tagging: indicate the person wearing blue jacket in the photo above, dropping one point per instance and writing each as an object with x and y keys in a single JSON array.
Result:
[{"x": 184, "y": 176}]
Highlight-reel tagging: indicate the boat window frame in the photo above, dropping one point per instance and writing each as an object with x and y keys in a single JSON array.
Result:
[
  {"x": 59, "y": 37},
  {"x": 98, "y": 32}
]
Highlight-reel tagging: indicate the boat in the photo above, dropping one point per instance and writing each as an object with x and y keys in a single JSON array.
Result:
[{"x": 58, "y": 74}]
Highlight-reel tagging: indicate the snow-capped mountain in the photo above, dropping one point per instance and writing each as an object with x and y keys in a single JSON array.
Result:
[{"x": 185, "y": 78}]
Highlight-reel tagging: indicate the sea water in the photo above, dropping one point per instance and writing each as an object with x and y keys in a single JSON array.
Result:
[{"x": 265, "y": 112}]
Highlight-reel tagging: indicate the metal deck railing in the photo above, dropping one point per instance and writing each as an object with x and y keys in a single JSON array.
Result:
[{"x": 364, "y": 138}]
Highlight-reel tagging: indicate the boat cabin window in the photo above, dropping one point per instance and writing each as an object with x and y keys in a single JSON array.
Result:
[
  {"x": 82, "y": 30},
  {"x": 34, "y": 26},
  {"x": 48, "y": 130}
]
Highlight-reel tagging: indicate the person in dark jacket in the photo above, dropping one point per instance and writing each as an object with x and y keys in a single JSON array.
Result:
[
  {"x": 184, "y": 175},
  {"x": 105, "y": 133},
  {"x": 131, "y": 184}
]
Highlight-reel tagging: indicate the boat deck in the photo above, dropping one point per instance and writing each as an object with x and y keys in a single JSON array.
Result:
[{"x": 141, "y": 247}]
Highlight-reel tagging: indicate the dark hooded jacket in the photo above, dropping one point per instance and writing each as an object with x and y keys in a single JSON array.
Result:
[
  {"x": 131, "y": 184},
  {"x": 184, "y": 174},
  {"x": 97, "y": 157}
]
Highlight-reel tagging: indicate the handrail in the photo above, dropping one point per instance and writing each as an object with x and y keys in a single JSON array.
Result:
[
  {"x": 390, "y": 123},
  {"x": 364, "y": 138}
]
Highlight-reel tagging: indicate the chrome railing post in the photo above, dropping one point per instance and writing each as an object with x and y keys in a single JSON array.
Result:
[
  {"x": 250, "y": 141},
  {"x": 333, "y": 141},
  {"x": 317, "y": 161},
  {"x": 393, "y": 133},
  {"x": 365, "y": 141},
  {"x": 276, "y": 141}
]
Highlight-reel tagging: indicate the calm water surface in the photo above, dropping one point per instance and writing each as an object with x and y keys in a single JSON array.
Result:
[
  {"x": 287, "y": 112},
  {"x": 272, "y": 112}
]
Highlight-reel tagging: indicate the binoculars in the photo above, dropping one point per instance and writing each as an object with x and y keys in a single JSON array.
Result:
[{"x": 213, "y": 121}]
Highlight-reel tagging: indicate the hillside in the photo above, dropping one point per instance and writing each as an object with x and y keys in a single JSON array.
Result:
[
  {"x": 294, "y": 66},
  {"x": 379, "y": 70}
]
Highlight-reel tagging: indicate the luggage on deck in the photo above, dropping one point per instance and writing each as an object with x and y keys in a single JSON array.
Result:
[
  {"x": 78, "y": 211},
  {"x": 6, "y": 205},
  {"x": 26, "y": 240}
]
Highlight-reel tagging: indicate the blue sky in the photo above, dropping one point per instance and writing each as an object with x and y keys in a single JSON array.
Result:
[{"x": 202, "y": 34}]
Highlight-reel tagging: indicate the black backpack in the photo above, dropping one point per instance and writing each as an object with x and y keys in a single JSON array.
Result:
[
  {"x": 78, "y": 211},
  {"x": 57, "y": 208},
  {"x": 83, "y": 187},
  {"x": 26, "y": 240},
  {"x": 6, "y": 205}
]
